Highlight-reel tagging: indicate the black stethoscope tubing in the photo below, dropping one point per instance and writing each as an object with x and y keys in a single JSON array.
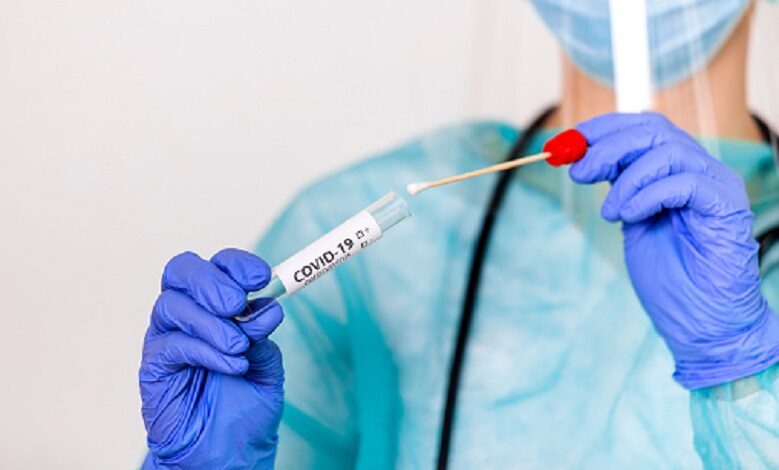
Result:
[{"x": 766, "y": 240}]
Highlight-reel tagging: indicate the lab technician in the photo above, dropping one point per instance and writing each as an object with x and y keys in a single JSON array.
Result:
[{"x": 627, "y": 324}]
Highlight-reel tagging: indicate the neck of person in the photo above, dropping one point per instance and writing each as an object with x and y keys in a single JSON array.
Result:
[{"x": 710, "y": 103}]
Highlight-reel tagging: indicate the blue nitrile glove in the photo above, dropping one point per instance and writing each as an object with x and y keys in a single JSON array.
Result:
[
  {"x": 212, "y": 388},
  {"x": 689, "y": 247}
]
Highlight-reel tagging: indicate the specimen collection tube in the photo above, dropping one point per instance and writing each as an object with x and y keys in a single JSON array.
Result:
[{"x": 332, "y": 248}]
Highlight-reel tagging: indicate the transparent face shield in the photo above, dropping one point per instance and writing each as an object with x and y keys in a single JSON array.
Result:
[
  {"x": 703, "y": 63},
  {"x": 707, "y": 65}
]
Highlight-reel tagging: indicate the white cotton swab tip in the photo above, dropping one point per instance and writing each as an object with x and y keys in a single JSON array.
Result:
[{"x": 416, "y": 188}]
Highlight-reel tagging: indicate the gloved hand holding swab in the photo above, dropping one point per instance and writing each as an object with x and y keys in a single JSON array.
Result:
[{"x": 566, "y": 147}]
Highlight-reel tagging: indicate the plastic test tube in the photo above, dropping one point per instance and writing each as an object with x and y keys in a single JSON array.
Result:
[{"x": 332, "y": 248}]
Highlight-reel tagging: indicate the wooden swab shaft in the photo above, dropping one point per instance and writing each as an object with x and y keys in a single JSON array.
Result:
[{"x": 484, "y": 171}]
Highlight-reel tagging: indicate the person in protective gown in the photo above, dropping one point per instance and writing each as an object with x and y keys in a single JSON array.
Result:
[{"x": 623, "y": 317}]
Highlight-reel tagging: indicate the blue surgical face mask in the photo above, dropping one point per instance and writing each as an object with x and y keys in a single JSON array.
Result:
[{"x": 683, "y": 34}]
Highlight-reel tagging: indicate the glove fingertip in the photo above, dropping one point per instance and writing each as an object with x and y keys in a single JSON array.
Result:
[
  {"x": 247, "y": 269},
  {"x": 587, "y": 129},
  {"x": 267, "y": 317},
  {"x": 580, "y": 173},
  {"x": 238, "y": 344},
  {"x": 257, "y": 275},
  {"x": 233, "y": 301},
  {"x": 238, "y": 365},
  {"x": 178, "y": 267},
  {"x": 630, "y": 213},
  {"x": 275, "y": 315},
  {"x": 609, "y": 212}
]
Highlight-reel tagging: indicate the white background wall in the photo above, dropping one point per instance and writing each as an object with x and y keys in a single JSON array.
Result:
[{"x": 133, "y": 130}]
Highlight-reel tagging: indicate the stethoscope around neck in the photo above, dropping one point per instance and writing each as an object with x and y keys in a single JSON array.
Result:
[{"x": 766, "y": 238}]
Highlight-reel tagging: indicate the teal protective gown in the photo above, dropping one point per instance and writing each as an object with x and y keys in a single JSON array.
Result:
[{"x": 563, "y": 367}]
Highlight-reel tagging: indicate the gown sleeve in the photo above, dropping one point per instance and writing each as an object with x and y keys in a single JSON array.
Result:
[
  {"x": 318, "y": 428},
  {"x": 736, "y": 425}
]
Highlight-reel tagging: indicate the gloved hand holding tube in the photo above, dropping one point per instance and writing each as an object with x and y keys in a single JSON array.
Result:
[
  {"x": 211, "y": 380},
  {"x": 688, "y": 241},
  {"x": 212, "y": 389}
]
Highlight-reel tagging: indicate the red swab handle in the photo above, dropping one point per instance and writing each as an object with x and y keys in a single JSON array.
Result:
[{"x": 566, "y": 147}]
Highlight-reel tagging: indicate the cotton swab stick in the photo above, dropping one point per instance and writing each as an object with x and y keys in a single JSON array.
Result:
[
  {"x": 566, "y": 147},
  {"x": 416, "y": 188}
]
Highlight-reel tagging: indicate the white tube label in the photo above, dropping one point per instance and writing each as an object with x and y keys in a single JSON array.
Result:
[{"x": 324, "y": 254}]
